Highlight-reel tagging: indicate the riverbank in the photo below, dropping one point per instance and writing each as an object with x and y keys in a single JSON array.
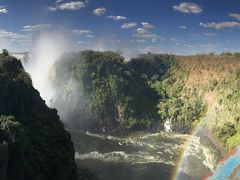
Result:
[{"x": 203, "y": 131}]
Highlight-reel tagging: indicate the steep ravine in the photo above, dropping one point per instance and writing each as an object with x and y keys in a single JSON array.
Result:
[
  {"x": 33, "y": 142},
  {"x": 109, "y": 101}
]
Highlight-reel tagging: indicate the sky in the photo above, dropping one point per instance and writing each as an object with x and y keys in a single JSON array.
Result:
[{"x": 129, "y": 26}]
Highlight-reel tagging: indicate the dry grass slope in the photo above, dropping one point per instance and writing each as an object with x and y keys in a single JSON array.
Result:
[{"x": 215, "y": 78}]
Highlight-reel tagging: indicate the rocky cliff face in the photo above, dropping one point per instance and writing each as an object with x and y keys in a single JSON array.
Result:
[{"x": 33, "y": 142}]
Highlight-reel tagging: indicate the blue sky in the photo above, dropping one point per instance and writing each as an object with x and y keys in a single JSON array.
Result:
[{"x": 161, "y": 26}]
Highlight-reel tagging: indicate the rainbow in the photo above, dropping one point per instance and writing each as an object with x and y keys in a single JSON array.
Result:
[{"x": 181, "y": 162}]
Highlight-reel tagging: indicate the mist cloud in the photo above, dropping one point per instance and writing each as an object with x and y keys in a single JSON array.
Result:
[{"x": 48, "y": 47}]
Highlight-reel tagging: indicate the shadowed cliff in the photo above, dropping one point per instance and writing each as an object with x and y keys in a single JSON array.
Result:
[{"x": 33, "y": 142}]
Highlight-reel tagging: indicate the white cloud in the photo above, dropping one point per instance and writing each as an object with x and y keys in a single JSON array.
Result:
[
  {"x": 204, "y": 34},
  {"x": 145, "y": 34},
  {"x": 220, "y": 25},
  {"x": 82, "y": 31},
  {"x": 3, "y": 10},
  {"x": 99, "y": 11},
  {"x": 11, "y": 36},
  {"x": 14, "y": 41},
  {"x": 209, "y": 34},
  {"x": 147, "y": 25},
  {"x": 183, "y": 27},
  {"x": 74, "y": 5},
  {"x": 189, "y": 8},
  {"x": 117, "y": 18},
  {"x": 114, "y": 41},
  {"x": 84, "y": 43},
  {"x": 141, "y": 41},
  {"x": 235, "y": 15},
  {"x": 152, "y": 49},
  {"x": 174, "y": 39},
  {"x": 129, "y": 25},
  {"x": 209, "y": 47},
  {"x": 142, "y": 31},
  {"x": 52, "y": 8},
  {"x": 90, "y": 36},
  {"x": 30, "y": 28}
]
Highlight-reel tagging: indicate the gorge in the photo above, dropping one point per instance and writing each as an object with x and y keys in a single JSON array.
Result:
[{"x": 99, "y": 97}]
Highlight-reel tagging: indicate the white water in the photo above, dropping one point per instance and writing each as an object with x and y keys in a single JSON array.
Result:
[
  {"x": 161, "y": 148},
  {"x": 168, "y": 125}
]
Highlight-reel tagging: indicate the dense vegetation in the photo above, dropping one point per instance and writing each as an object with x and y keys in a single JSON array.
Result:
[
  {"x": 103, "y": 93},
  {"x": 167, "y": 76},
  {"x": 110, "y": 94},
  {"x": 183, "y": 110},
  {"x": 152, "y": 67},
  {"x": 33, "y": 142},
  {"x": 229, "y": 96}
]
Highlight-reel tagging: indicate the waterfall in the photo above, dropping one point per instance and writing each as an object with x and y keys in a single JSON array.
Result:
[{"x": 168, "y": 125}]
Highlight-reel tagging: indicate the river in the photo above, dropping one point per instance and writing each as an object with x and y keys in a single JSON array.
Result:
[
  {"x": 144, "y": 156},
  {"x": 140, "y": 156}
]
